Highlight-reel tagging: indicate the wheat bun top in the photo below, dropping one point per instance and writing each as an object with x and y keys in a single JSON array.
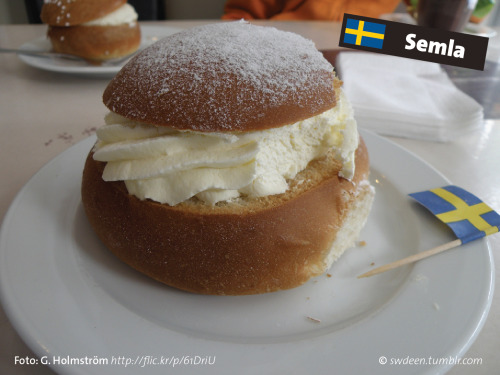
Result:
[
  {"x": 72, "y": 12},
  {"x": 228, "y": 76}
]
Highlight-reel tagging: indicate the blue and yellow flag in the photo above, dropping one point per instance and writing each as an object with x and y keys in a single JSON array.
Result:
[
  {"x": 364, "y": 33},
  {"x": 468, "y": 216}
]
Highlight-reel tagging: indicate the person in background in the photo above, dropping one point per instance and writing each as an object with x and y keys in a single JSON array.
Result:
[{"x": 327, "y": 10}]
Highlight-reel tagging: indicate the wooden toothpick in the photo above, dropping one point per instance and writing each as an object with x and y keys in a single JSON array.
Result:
[{"x": 412, "y": 258}]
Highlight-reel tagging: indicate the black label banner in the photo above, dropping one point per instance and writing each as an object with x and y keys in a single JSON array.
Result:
[{"x": 414, "y": 42}]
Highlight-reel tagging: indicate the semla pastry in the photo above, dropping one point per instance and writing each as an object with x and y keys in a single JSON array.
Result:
[
  {"x": 230, "y": 162},
  {"x": 96, "y": 30}
]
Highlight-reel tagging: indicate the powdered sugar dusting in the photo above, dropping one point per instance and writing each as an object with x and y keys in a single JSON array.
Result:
[
  {"x": 61, "y": 10},
  {"x": 223, "y": 76}
]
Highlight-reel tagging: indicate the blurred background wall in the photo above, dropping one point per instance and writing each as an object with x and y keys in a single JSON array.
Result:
[{"x": 14, "y": 11}]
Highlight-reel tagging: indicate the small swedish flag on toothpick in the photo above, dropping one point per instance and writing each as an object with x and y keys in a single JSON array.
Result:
[{"x": 468, "y": 217}]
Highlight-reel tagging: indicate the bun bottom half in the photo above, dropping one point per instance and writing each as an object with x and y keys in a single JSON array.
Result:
[
  {"x": 247, "y": 246},
  {"x": 96, "y": 43}
]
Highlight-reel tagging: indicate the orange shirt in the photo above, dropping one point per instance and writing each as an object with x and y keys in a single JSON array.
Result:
[{"x": 331, "y": 10}]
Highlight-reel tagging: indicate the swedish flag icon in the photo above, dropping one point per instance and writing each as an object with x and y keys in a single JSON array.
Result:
[{"x": 364, "y": 33}]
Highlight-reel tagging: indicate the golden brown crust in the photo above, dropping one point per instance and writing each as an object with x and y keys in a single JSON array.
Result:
[
  {"x": 170, "y": 102},
  {"x": 70, "y": 13},
  {"x": 96, "y": 43},
  {"x": 221, "y": 83},
  {"x": 255, "y": 246}
]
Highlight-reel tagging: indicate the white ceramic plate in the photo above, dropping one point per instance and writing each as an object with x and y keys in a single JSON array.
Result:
[
  {"x": 150, "y": 34},
  {"x": 68, "y": 296}
]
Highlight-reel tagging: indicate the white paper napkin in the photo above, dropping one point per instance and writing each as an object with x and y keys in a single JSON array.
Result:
[{"x": 406, "y": 98}]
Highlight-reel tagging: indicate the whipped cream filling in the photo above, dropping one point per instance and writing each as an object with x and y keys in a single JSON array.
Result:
[
  {"x": 124, "y": 14},
  {"x": 171, "y": 166}
]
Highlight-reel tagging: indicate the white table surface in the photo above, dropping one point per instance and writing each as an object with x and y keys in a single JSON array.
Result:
[{"x": 44, "y": 113}]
